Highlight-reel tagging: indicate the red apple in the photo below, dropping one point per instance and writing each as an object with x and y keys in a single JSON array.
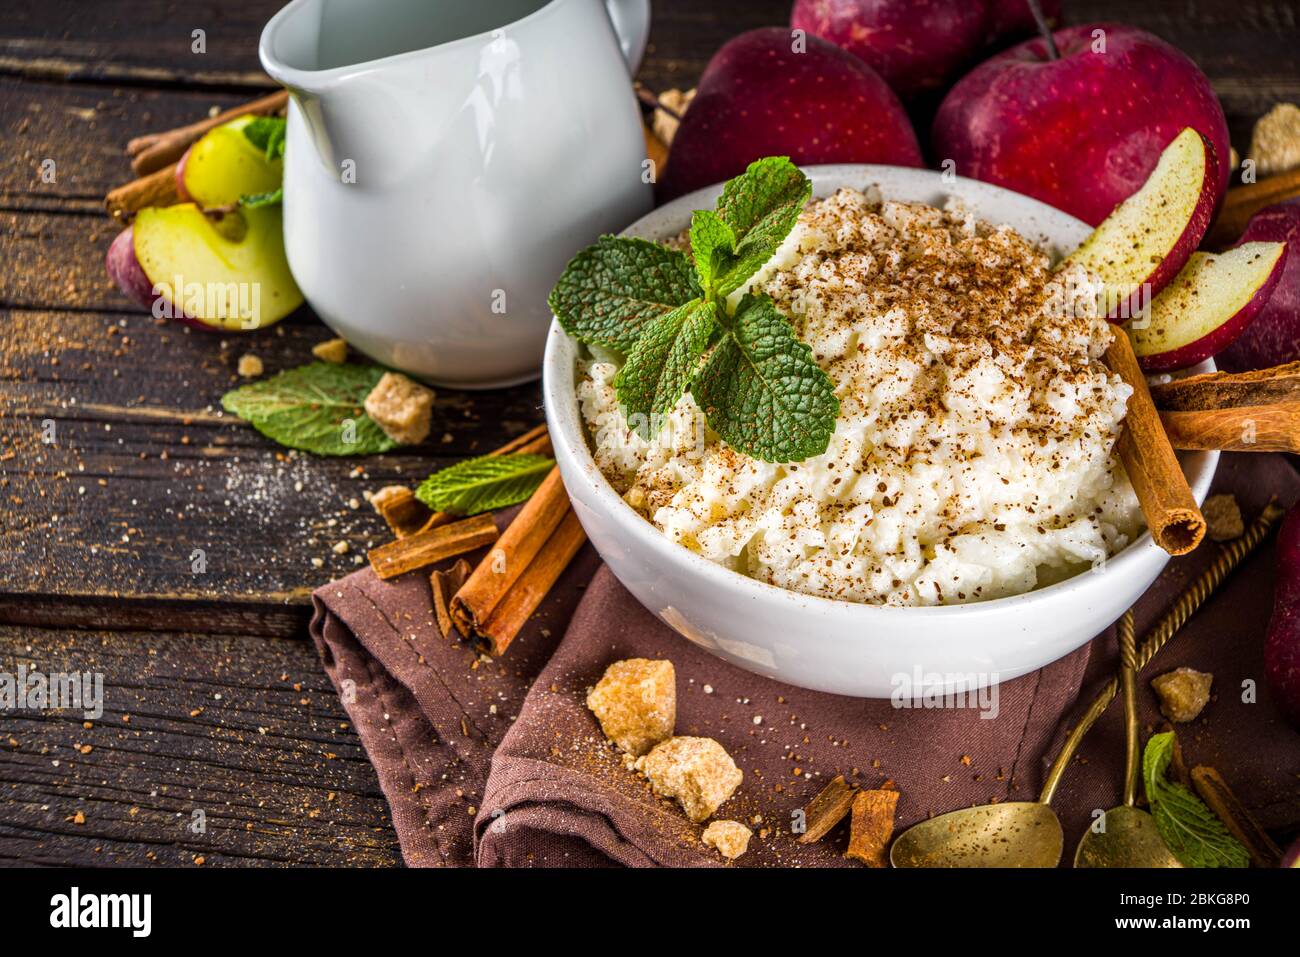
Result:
[
  {"x": 1012, "y": 18},
  {"x": 1282, "y": 644},
  {"x": 1081, "y": 132},
  {"x": 1141, "y": 246},
  {"x": 1207, "y": 306},
  {"x": 915, "y": 45},
  {"x": 758, "y": 97},
  {"x": 1274, "y": 336}
]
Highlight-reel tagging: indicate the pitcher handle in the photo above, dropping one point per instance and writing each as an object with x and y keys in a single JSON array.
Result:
[{"x": 631, "y": 19}]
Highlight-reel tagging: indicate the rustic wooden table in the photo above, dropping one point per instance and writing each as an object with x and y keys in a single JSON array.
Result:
[{"x": 214, "y": 698}]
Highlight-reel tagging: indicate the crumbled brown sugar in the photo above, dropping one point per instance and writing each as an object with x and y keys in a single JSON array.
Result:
[
  {"x": 249, "y": 366},
  {"x": 401, "y": 407},
  {"x": 1183, "y": 693},
  {"x": 1223, "y": 518},
  {"x": 1275, "y": 142},
  {"x": 730, "y": 838},
  {"x": 331, "y": 350},
  {"x": 635, "y": 702},
  {"x": 698, "y": 772}
]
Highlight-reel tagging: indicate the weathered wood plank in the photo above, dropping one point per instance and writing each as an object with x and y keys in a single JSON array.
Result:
[
  {"x": 84, "y": 129},
  {"x": 150, "y": 492},
  {"x": 247, "y": 731}
]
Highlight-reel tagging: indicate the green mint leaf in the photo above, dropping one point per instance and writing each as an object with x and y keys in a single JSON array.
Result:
[
  {"x": 484, "y": 484},
  {"x": 664, "y": 363},
  {"x": 1192, "y": 832},
  {"x": 712, "y": 245},
  {"x": 253, "y": 200},
  {"x": 317, "y": 408},
  {"x": 762, "y": 391},
  {"x": 610, "y": 290},
  {"x": 267, "y": 134},
  {"x": 761, "y": 206}
]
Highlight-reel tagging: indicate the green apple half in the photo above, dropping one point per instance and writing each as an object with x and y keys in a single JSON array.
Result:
[
  {"x": 1207, "y": 306},
  {"x": 224, "y": 165},
  {"x": 1141, "y": 246},
  {"x": 224, "y": 270}
]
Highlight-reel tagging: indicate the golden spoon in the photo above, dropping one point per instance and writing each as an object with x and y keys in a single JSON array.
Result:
[
  {"x": 1125, "y": 836},
  {"x": 1028, "y": 833}
]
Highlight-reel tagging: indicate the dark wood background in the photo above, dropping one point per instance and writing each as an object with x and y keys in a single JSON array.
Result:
[{"x": 214, "y": 698}]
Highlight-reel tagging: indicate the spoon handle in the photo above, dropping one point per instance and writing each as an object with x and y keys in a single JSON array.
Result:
[
  {"x": 1128, "y": 681},
  {"x": 1229, "y": 557}
]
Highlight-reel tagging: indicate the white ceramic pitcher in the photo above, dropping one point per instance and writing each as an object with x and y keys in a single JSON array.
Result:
[{"x": 444, "y": 160}]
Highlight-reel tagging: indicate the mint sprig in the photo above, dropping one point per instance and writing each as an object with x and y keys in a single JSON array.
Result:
[
  {"x": 664, "y": 363},
  {"x": 610, "y": 290},
  {"x": 484, "y": 484},
  {"x": 762, "y": 390},
  {"x": 758, "y": 385},
  {"x": 761, "y": 207},
  {"x": 316, "y": 408},
  {"x": 1188, "y": 827}
]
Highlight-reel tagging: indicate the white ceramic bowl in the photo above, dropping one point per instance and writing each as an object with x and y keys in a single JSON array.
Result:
[{"x": 852, "y": 649}]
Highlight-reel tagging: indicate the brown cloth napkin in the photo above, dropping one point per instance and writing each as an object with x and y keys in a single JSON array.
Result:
[{"x": 500, "y": 763}]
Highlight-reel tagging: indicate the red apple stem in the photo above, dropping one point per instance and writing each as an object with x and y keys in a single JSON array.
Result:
[{"x": 1036, "y": 9}]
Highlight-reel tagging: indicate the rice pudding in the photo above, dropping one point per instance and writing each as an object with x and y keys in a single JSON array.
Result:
[{"x": 973, "y": 454}]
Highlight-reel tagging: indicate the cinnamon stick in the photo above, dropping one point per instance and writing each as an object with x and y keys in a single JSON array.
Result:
[
  {"x": 872, "y": 827},
  {"x": 1222, "y": 390},
  {"x": 156, "y": 189},
  {"x": 514, "y": 551},
  {"x": 536, "y": 441},
  {"x": 827, "y": 809},
  {"x": 1177, "y": 764},
  {"x": 444, "y": 584},
  {"x": 1172, "y": 515},
  {"x": 1244, "y": 201},
  {"x": 519, "y": 603},
  {"x": 426, "y": 547},
  {"x": 1251, "y": 428},
  {"x": 1215, "y": 792},
  {"x": 156, "y": 150}
]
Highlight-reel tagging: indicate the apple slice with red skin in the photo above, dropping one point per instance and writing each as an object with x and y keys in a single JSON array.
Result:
[
  {"x": 1211, "y": 302},
  {"x": 225, "y": 165},
  {"x": 223, "y": 271},
  {"x": 1141, "y": 246},
  {"x": 1274, "y": 337}
]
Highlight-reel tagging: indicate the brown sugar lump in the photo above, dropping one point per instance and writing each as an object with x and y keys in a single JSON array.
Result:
[
  {"x": 698, "y": 772},
  {"x": 1223, "y": 519},
  {"x": 1275, "y": 144},
  {"x": 730, "y": 838},
  {"x": 636, "y": 703},
  {"x": 1183, "y": 692},
  {"x": 401, "y": 407},
  {"x": 334, "y": 351}
]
